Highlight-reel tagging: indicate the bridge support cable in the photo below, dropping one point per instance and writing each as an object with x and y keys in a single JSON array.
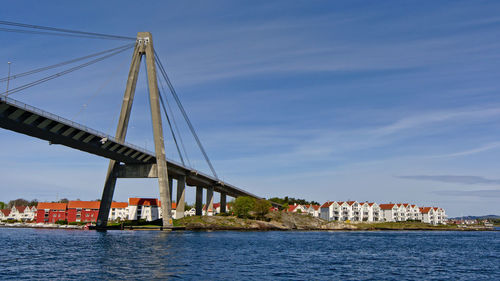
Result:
[
  {"x": 59, "y": 31},
  {"x": 179, "y": 135},
  {"x": 184, "y": 114},
  {"x": 59, "y": 74},
  {"x": 37, "y": 70},
  {"x": 168, "y": 119}
]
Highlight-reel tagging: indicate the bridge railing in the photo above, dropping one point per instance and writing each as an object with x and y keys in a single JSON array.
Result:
[
  {"x": 81, "y": 127},
  {"x": 70, "y": 123}
]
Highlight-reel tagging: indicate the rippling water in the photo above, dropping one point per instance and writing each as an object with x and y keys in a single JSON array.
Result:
[{"x": 229, "y": 255}]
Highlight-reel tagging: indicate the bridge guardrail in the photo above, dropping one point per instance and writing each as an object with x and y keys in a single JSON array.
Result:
[
  {"x": 98, "y": 133},
  {"x": 71, "y": 123}
]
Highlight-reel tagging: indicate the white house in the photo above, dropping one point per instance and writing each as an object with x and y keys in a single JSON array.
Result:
[
  {"x": 143, "y": 209},
  {"x": 313, "y": 210},
  {"x": 190, "y": 212},
  {"x": 427, "y": 214},
  {"x": 370, "y": 212},
  {"x": 297, "y": 208},
  {"x": 119, "y": 211},
  {"x": 355, "y": 211},
  {"x": 389, "y": 212},
  {"x": 4, "y": 214},
  {"x": 326, "y": 211}
]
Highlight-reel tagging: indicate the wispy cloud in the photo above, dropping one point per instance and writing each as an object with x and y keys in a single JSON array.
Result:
[
  {"x": 472, "y": 180},
  {"x": 482, "y": 148},
  {"x": 487, "y": 193}
]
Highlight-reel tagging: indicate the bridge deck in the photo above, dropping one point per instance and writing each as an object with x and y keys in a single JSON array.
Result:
[{"x": 22, "y": 118}]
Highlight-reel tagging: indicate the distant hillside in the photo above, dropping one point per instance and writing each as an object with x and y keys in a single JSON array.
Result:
[{"x": 477, "y": 217}]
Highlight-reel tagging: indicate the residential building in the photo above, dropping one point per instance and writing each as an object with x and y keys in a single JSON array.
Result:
[
  {"x": 143, "y": 209},
  {"x": 4, "y": 214},
  {"x": 370, "y": 212},
  {"x": 119, "y": 211},
  {"x": 326, "y": 211},
  {"x": 354, "y": 211},
  {"x": 389, "y": 212},
  {"x": 313, "y": 210},
  {"x": 427, "y": 214},
  {"x": 51, "y": 212},
  {"x": 190, "y": 212},
  {"x": 83, "y": 211},
  {"x": 297, "y": 208}
]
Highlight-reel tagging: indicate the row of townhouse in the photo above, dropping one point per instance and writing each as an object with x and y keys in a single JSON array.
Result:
[
  {"x": 313, "y": 210},
  {"x": 88, "y": 211},
  {"x": 373, "y": 212},
  {"x": 19, "y": 213},
  {"x": 148, "y": 209}
]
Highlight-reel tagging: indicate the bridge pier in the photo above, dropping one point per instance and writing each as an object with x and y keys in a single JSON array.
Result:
[
  {"x": 181, "y": 194},
  {"x": 199, "y": 201},
  {"x": 223, "y": 198},
  {"x": 171, "y": 187},
  {"x": 121, "y": 132},
  {"x": 210, "y": 200}
]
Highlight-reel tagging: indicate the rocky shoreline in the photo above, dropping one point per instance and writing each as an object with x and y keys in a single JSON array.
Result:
[
  {"x": 275, "y": 221},
  {"x": 292, "y": 221}
]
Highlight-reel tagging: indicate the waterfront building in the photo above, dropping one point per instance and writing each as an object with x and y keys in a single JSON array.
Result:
[
  {"x": 414, "y": 213},
  {"x": 190, "y": 212},
  {"x": 297, "y": 208},
  {"x": 427, "y": 214},
  {"x": 326, "y": 211},
  {"x": 401, "y": 212},
  {"x": 331, "y": 211},
  {"x": 313, "y": 210},
  {"x": 354, "y": 211},
  {"x": 119, "y": 211},
  {"x": 51, "y": 212},
  {"x": 389, "y": 212},
  {"x": 143, "y": 209},
  {"x": 370, "y": 212},
  {"x": 83, "y": 211},
  {"x": 4, "y": 214}
]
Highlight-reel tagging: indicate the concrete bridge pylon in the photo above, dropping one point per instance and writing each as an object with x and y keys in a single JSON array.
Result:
[{"x": 143, "y": 47}]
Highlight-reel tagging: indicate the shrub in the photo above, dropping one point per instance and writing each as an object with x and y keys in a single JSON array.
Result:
[
  {"x": 242, "y": 206},
  {"x": 62, "y": 222},
  {"x": 261, "y": 208}
]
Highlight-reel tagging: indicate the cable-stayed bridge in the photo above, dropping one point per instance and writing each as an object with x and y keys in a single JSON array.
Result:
[{"x": 126, "y": 160}]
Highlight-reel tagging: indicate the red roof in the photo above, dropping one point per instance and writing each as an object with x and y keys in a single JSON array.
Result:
[
  {"x": 425, "y": 210},
  {"x": 119, "y": 205},
  {"x": 315, "y": 207},
  {"x": 291, "y": 208},
  {"x": 20, "y": 209},
  {"x": 370, "y": 204},
  {"x": 143, "y": 202},
  {"x": 387, "y": 206},
  {"x": 5, "y": 212},
  {"x": 350, "y": 202},
  {"x": 52, "y": 206},
  {"x": 84, "y": 205},
  {"x": 326, "y": 204}
]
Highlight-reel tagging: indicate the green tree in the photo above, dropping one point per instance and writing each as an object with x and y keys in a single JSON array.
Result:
[
  {"x": 33, "y": 202},
  {"x": 243, "y": 205},
  {"x": 18, "y": 202},
  {"x": 2, "y": 205},
  {"x": 261, "y": 208}
]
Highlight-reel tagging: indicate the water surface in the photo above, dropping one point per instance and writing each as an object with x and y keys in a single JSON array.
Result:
[{"x": 231, "y": 255}]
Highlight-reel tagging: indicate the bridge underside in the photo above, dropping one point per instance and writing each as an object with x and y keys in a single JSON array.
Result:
[{"x": 135, "y": 162}]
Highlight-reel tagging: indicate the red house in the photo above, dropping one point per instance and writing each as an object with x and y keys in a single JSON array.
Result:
[
  {"x": 83, "y": 211},
  {"x": 51, "y": 212}
]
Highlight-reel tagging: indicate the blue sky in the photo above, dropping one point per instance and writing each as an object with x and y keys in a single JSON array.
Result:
[{"x": 387, "y": 102}]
